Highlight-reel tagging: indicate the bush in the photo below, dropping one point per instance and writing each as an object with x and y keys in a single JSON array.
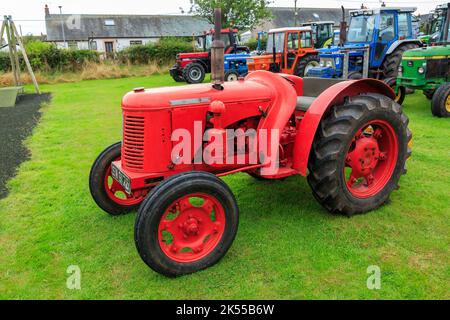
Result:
[
  {"x": 253, "y": 43},
  {"x": 162, "y": 52},
  {"x": 47, "y": 57}
]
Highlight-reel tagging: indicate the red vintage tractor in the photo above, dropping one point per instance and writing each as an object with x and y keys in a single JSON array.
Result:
[
  {"x": 351, "y": 142},
  {"x": 192, "y": 67}
]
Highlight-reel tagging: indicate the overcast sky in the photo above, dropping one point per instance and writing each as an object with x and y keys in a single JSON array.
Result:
[{"x": 33, "y": 10}]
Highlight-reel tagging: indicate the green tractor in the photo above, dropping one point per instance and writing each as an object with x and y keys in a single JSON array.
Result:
[
  {"x": 428, "y": 69},
  {"x": 322, "y": 32}
]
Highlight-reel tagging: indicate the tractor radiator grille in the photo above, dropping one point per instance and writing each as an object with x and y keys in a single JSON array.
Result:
[
  {"x": 133, "y": 141},
  {"x": 437, "y": 68}
]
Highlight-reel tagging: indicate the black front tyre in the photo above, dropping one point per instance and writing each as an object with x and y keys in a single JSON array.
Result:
[
  {"x": 400, "y": 91},
  {"x": 359, "y": 154},
  {"x": 194, "y": 73},
  {"x": 186, "y": 224},
  {"x": 440, "y": 104},
  {"x": 231, "y": 76},
  {"x": 106, "y": 192}
]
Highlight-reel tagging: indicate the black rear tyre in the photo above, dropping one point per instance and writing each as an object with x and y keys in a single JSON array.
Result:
[
  {"x": 194, "y": 73},
  {"x": 393, "y": 60},
  {"x": 440, "y": 105},
  {"x": 158, "y": 255},
  {"x": 335, "y": 138}
]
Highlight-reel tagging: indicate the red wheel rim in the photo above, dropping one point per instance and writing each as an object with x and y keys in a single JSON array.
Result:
[
  {"x": 191, "y": 227},
  {"x": 371, "y": 159},
  {"x": 117, "y": 193}
]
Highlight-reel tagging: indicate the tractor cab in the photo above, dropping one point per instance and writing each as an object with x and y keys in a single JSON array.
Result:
[
  {"x": 322, "y": 32},
  {"x": 288, "y": 50},
  {"x": 373, "y": 33},
  {"x": 434, "y": 25}
]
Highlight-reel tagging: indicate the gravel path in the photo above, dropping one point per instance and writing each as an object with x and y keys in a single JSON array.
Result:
[{"x": 16, "y": 124}]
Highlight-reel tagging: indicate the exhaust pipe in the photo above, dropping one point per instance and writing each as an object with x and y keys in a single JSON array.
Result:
[
  {"x": 343, "y": 29},
  {"x": 217, "y": 53}
]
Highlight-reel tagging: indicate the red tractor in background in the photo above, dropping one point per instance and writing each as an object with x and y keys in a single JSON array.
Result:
[
  {"x": 350, "y": 141},
  {"x": 192, "y": 67}
]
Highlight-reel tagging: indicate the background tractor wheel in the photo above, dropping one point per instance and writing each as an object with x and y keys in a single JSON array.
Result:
[
  {"x": 305, "y": 64},
  {"x": 400, "y": 92},
  {"x": 187, "y": 223},
  {"x": 392, "y": 61},
  {"x": 178, "y": 78},
  {"x": 231, "y": 76},
  {"x": 440, "y": 105},
  {"x": 354, "y": 75},
  {"x": 106, "y": 192},
  {"x": 429, "y": 94},
  {"x": 194, "y": 73},
  {"x": 359, "y": 154}
]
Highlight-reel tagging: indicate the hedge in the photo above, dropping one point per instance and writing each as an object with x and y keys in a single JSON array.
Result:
[
  {"x": 46, "y": 57},
  {"x": 162, "y": 52}
]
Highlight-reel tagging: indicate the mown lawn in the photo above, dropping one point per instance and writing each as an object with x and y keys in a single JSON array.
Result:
[{"x": 287, "y": 247}]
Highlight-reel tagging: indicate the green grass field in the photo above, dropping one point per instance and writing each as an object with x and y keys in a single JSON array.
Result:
[{"x": 287, "y": 247}]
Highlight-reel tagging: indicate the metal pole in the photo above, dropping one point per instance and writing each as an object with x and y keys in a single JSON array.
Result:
[
  {"x": 295, "y": 13},
  {"x": 62, "y": 26}
]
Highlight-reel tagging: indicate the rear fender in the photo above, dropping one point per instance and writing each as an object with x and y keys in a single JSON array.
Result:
[{"x": 306, "y": 129}]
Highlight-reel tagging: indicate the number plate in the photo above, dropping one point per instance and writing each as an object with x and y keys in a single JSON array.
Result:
[{"x": 121, "y": 178}]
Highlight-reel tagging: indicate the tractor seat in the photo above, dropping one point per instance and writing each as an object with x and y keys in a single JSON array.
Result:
[{"x": 303, "y": 103}]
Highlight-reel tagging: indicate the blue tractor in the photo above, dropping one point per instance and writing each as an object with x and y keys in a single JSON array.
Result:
[
  {"x": 373, "y": 47},
  {"x": 236, "y": 66}
]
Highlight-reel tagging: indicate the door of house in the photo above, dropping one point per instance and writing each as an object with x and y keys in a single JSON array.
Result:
[{"x": 109, "y": 48}]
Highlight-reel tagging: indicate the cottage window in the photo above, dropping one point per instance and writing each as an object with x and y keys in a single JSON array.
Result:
[
  {"x": 109, "y": 22},
  {"x": 135, "y": 42},
  {"x": 73, "y": 45}
]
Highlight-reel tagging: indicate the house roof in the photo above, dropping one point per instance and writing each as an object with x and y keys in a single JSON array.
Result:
[
  {"x": 285, "y": 17},
  {"x": 85, "y": 26}
]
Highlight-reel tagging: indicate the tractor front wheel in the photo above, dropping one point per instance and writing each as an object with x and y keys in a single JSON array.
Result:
[
  {"x": 400, "y": 91},
  {"x": 194, "y": 73},
  {"x": 107, "y": 192},
  {"x": 305, "y": 64},
  {"x": 440, "y": 105},
  {"x": 186, "y": 224},
  {"x": 359, "y": 154},
  {"x": 231, "y": 76}
]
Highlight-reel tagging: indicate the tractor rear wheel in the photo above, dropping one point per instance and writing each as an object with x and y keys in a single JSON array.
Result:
[
  {"x": 392, "y": 61},
  {"x": 194, "y": 73},
  {"x": 440, "y": 105},
  {"x": 305, "y": 63},
  {"x": 186, "y": 224},
  {"x": 107, "y": 192},
  {"x": 400, "y": 92},
  {"x": 359, "y": 154}
]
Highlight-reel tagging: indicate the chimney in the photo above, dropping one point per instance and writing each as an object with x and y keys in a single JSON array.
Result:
[{"x": 47, "y": 10}]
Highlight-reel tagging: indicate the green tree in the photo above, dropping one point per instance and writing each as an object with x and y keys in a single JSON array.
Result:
[{"x": 241, "y": 14}]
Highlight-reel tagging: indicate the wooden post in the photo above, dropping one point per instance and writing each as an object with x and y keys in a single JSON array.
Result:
[
  {"x": 11, "y": 57},
  {"x": 25, "y": 57},
  {"x": 13, "y": 47}
]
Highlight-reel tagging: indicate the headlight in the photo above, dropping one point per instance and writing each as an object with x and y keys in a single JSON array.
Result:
[
  {"x": 421, "y": 70},
  {"x": 400, "y": 69},
  {"x": 322, "y": 63},
  {"x": 329, "y": 64}
]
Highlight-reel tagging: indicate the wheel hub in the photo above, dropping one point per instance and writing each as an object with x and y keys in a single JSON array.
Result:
[
  {"x": 371, "y": 159},
  {"x": 193, "y": 232}
]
